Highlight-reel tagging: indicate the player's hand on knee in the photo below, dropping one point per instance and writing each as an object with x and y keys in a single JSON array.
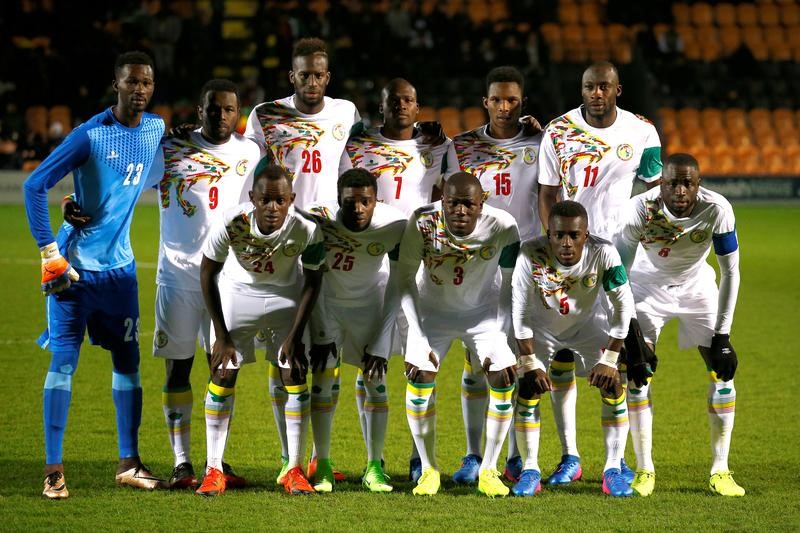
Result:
[
  {"x": 604, "y": 377},
  {"x": 538, "y": 381},
  {"x": 373, "y": 367},
  {"x": 412, "y": 372},
  {"x": 530, "y": 126},
  {"x": 223, "y": 355},
  {"x": 319, "y": 354},
  {"x": 73, "y": 214},
  {"x": 723, "y": 357},
  {"x": 432, "y": 132},
  {"x": 57, "y": 273},
  {"x": 293, "y": 353}
]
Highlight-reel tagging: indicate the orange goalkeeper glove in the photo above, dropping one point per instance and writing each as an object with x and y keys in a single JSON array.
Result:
[{"x": 57, "y": 273}]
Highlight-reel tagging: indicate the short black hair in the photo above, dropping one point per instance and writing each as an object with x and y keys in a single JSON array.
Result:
[
  {"x": 682, "y": 160},
  {"x": 503, "y": 75},
  {"x": 132, "y": 58},
  {"x": 568, "y": 209},
  {"x": 357, "y": 177},
  {"x": 219, "y": 85},
  {"x": 268, "y": 171},
  {"x": 309, "y": 46}
]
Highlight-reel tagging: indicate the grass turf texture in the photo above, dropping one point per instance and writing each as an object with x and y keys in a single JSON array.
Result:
[{"x": 764, "y": 450}]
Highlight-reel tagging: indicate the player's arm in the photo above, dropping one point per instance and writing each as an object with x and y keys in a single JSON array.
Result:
[
  {"x": 549, "y": 178},
  {"x": 604, "y": 374},
  {"x": 722, "y": 355},
  {"x": 531, "y": 371},
  {"x": 381, "y": 343},
  {"x": 650, "y": 164},
  {"x": 626, "y": 241},
  {"x": 57, "y": 274},
  {"x": 223, "y": 353},
  {"x": 313, "y": 258},
  {"x": 507, "y": 261},
  {"x": 253, "y": 129},
  {"x": 548, "y": 196},
  {"x": 322, "y": 344}
]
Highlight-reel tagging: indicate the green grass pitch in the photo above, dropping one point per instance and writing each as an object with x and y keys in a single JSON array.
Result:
[{"x": 764, "y": 454}]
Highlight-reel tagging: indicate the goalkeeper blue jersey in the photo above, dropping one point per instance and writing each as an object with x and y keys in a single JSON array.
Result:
[{"x": 109, "y": 164}]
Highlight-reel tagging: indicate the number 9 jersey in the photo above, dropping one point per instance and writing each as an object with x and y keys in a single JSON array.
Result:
[{"x": 597, "y": 166}]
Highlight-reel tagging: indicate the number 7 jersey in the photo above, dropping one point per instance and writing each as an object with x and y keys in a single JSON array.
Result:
[{"x": 597, "y": 166}]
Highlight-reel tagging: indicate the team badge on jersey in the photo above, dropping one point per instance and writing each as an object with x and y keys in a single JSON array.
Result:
[
  {"x": 291, "y": 249},
  {"x": 338, "y": 132},
  {"x": 161, "y": 339},
  {"x": 376, "y": 248},
  {"x": 698, "y": 235},
  {"x": 241, "y": 167},
  {"x": 426, "y": 158},
  {"x": 589, "y": 281},
  {"x": 487, "y": 252},
  {"x": 529, "y": 155},
  {"x": 625, "y": 151}
]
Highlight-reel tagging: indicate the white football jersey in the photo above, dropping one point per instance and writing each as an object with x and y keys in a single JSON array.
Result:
[
  {"x": 673, "y": 249},
  {"x": 198, "y": 181},
  {"x": 309, "y": 146},
  {"x": 355, "y": 259},
  {"x": 460, "y": 274},
  {"x": 259, "y": 262},
  {"x": 597, "y": 166},
  {"x": 560, "y": 300},
  {"x": 508, "y": 170},
  {"x": 407, "y": 171}
]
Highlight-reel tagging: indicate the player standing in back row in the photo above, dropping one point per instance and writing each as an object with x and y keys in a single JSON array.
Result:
[
  {"x": 592, "y": 155},
  {"x": 503, "y": 156}
]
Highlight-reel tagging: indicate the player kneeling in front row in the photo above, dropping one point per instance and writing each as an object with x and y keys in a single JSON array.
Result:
[
  {"x": 676, "y": 225},
  {"x": 359, "y": 233},
  {"x": 258, "y": 288},
  {"x": 556, "y": 305},
  {"x": 460, "y": 243}
]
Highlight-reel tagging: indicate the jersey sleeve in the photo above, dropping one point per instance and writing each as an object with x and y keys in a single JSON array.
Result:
[
  {"x": 156, "y": 170},
  {"x": 520, "y": 288},
  {"x": 313, "y": 256},
  {"x": 549, "y": 173},
  {"x": 253, "y": 129},
  {"x": 218, "y": 241},
  {"x": 724, "y": 232},
  {"x": 626, "y": 240},
  {"x": 726, "y": 246},
  {"x": 650, "y": 164},
  {"x": 345, "y": 163},
  {"x": 411, "y": 244},
  {"x": 68, "y": 156},
  {"x": 450, "y": 164},
  {"x": 615, "y": 283}
]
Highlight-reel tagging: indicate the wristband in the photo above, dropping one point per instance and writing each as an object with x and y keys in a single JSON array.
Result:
[
  {"x": 609, "y": 358},
  {"x": 528, "y": 363},
  {"x": 49, "y": 251}
]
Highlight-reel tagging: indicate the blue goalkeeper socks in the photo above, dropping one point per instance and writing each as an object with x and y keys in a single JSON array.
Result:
[
  {"x": 57, "y": 396},
  {"x": 127, "y": 393}
]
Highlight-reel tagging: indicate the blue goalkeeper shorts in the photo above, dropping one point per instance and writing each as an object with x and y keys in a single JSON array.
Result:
[{"x": 104, "y": 303}]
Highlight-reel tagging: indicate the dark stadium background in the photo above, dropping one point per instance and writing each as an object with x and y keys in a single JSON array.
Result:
[{"x": 720, "y": 79}]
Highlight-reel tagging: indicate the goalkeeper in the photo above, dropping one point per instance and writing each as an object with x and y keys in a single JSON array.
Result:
[
  {"x": 89, "y": 274},
  {"x": 676, "y": 224}
]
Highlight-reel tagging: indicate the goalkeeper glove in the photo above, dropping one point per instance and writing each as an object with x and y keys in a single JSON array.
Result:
[
  {"x": 57, "y": 273},
  {"x": 640, "y": 360},
  {"x": 723, "y": 358}
]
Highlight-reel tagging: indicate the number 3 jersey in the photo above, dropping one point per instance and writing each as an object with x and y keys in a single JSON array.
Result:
[
  {"x": 559, "y": 299},
  {"x": 508, "y": 171},
  {"x": 198, "y": 181},
  {"x": 407, "y": 170},
  {"x": 257, "y": 264},
  {"x": 460, "y": 274},
  {"x": 355, "y": 258},
  {"x": 309, "y": 146},
  {"x": 597, "y": 166},
  {"x": 673, "y": 249}
]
